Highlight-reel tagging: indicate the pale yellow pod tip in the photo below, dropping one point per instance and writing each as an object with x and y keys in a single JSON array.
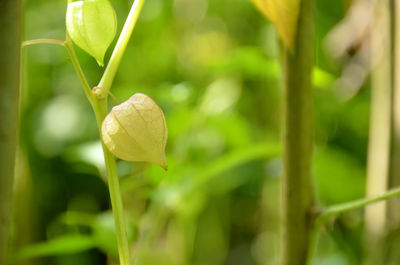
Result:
[
  {"x": 284, "y": 15},
  {"x": 136, "y": 130}
]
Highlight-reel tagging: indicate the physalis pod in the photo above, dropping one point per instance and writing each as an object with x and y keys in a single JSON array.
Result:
[
  {"x": 92, "y": 25},
  {"x": 284, "y": 15},
  {"x": 136, "y": 131}
]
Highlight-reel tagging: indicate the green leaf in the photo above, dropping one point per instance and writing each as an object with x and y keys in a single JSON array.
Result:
[
  {"x": 63, "y": 245},
  {"x": 92, "y": 25},
  {"x": 283, "y": 14}
]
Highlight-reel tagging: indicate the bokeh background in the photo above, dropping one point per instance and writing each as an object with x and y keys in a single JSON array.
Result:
[{"x": 213, "y": 67}]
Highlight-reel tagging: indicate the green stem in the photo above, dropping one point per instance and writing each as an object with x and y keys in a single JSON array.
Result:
[
  {"x": 74, "y": 59},
  {"x": 341, "y": 208},
  {"x": 100, "y": 109},
  {"x": 117, "y": 207},
  {"x": 394, "y": 174},
  {"x": 10, "y": 32},
  {"x": 352, "y": 205},
  {"x": 112, "y": 67},
  {"x": 297, "y": 188},
  {"x": 43, "y": 41},
  {"x": 75, "y": 62}
]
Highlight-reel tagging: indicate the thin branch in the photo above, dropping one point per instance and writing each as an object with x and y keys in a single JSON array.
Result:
[
  {"x": 341, "y": 208},
  {"x": 352, "y": 205},
  {"x": 42, "y": 41},
  {"x": 71, "y": 52},
  {"x": 112, "y": 66},
  {"x": 78, "y": 69}
]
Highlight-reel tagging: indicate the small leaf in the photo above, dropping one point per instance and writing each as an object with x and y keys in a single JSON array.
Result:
[
  {"x": 92, "y": 25},
  {"x": 136, "y": 131},
  {"x": 283, "y": 14},
  {"x": 67, "y": 244}
]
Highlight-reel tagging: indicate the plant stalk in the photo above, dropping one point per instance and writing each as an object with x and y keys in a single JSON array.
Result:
[
  {"x": 100, "y": 110},
  {"x": 394, "y": 175},
  {"x": 297, "y": 188},
  {"x": 380, "y": 123},
  {"x": 341, "y": 208},
  {"x": 112, "y": 66},
  {"x": 10, "y": 30}
]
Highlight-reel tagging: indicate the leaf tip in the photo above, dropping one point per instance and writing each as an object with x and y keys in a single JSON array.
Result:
[{"x": 100, "y": 63}]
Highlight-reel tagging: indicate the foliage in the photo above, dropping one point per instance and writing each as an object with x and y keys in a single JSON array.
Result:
[{"x": 213, "y": 67}]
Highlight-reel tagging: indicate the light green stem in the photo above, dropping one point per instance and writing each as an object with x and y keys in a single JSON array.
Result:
[
  {"x": 78, "y": 69},
  {"x": 75, "y": 62},
  {"x": 112, "y": 67},
  {"x": 352, "y": 205},
  {"x": 341, "y": 208},
  {"x": 100, "y": 109},
  {"x": 43, "y": 41}
]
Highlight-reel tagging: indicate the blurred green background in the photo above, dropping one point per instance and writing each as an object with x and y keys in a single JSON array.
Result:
[{"x": 213, "y": 67}]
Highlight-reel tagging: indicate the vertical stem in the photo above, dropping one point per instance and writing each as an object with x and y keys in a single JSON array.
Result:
[
  {"x": 297, "y": 188},
  {"x": 100, "y": 108},
  {"x": 394, "y": 173},
  {"x": 380, "y": 123},
  {"x": 10, "y": 32},
  {"x": 112, "y": 66}
]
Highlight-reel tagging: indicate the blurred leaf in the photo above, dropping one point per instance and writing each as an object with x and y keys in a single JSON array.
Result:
[
  {"x": 63, "y": 245},
  {"x": 92, "y": 25},
  {"x": 105, "y": 236},
  {"x": 283, "y": 14},
  {"x": 233, "y": 159},
  {"x": 88, "y": 152},
  {"x": 248, "y": 61},
  {"x": 220, "y": 96},
  {"x": 322, "y": 79},
  {"x": 77, "y": 218},
  {"x": 339, "y": 176}
]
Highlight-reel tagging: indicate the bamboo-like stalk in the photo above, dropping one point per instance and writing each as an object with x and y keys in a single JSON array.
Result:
[
  {"x": 380, "y": 122},
  {"x": 378, "y": 160},
  {"x": 394, "y": 173},
  {"x": 10, "y": 32},
  {"x": 297, "y": 188}
]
